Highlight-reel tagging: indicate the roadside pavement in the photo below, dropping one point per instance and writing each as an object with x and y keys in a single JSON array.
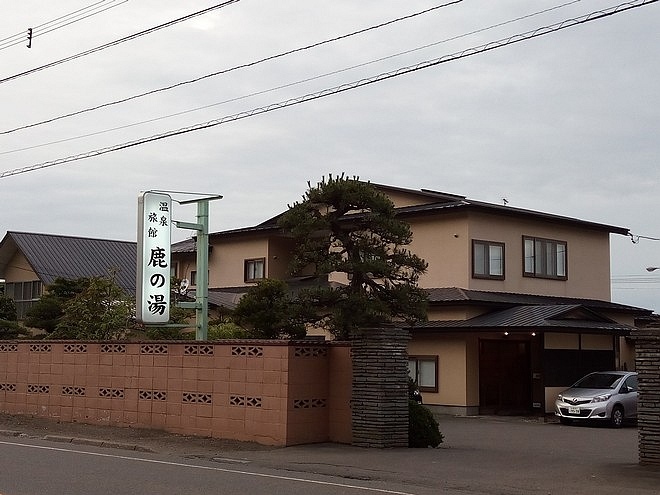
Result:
[{"x": 480, "y": 455}]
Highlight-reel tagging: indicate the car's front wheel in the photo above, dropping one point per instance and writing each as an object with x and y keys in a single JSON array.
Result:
[{"x": 617, "y": 417}]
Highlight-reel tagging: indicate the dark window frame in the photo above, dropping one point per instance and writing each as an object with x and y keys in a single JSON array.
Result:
[
  {"x": 487, "y": 245},
  {"x": 544, "y": 259},
  {"x": 246, "y": 270},
  {"x": 417, "y": 359}
]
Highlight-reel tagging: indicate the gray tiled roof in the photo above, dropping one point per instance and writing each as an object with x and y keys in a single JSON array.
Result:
[{"x": 52, "y": 256}]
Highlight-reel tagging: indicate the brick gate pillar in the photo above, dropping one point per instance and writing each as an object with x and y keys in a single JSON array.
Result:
[
  {"x": 647, "y": 363},
  {"x": 380, "y": 387}
]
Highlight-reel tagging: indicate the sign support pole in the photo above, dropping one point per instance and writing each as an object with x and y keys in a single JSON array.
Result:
[
  {"x": 202, "y": 284},
  {"x": 201, "y": 304}
]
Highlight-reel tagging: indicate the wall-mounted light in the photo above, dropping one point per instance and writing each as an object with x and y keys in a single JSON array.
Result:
[
  {"x": 533, "y": 334},
  {"x": 506, "y": 334}
]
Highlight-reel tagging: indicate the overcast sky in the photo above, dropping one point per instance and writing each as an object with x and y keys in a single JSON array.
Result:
[{"x": 565, "y": 123}]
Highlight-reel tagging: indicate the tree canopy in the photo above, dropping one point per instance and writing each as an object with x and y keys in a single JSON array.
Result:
[
  {"x": 345, "y": 225},
  {"x": 269, "y": 311},
  {"x": 101, "y": 311},
  {"x": 48, "y": 310}
]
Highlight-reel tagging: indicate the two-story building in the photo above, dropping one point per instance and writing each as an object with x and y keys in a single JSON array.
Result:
[{"x": 519, "y": 300}]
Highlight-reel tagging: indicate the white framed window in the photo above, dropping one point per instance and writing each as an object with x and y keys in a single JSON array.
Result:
[
  {"x": 488, "y": 259},
  {"x": 423, "y": 370},
  {"x": 255, "y": 269},
  {"x": 24, "y": 294},
  {"x": 545, "y": 258}
]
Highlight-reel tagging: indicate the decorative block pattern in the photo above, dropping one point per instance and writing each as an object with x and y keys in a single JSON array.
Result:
[
  {"x": 153, "y": 349},
  {"x": 75, "y": 348},
  {"x": 310, "y": 352},
  {"x": 38, "y": 389},
  {"x": 114, "y": 348},
  {"x": 309, "y": 403},
  {"x": 244, "y": 401},
  {"x": 198, "y": 350},
  {"x": 247, "y": 350},
  {"x": 77, "y": 391},
  {"x": 40, "y": 347},
  {"x": 159, "y": 395},
  {"x": 241, "y": 390},
  {"x": 111, "y": 393},
  {"x": 196, "y": 398}
]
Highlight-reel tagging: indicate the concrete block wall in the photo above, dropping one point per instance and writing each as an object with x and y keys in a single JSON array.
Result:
[{"x": 271, "y": 392}]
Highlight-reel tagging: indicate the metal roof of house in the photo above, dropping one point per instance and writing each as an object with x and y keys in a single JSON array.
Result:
[
  {"x": 563, "y": 317},
  {"x": 52, "y": 256},
  {"x": 457, "y": 295},
  {"x": 444, "y": 203}
]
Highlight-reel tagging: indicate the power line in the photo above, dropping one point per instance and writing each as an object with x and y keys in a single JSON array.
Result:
[
  {"x": 276, "y": 88},
  {"x": 342, "y": 88},
  {"x": 117, "y": 42},
  {"x": 59, "y": 22},
  {"x": 231, "y": 69},
  {"x": 262, "y": 92}
]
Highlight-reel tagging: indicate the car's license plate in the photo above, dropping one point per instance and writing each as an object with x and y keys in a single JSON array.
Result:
[{"x": 573, "y": 410}]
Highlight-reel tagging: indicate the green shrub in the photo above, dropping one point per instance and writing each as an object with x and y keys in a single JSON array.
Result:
[
  {"x": 423, "y": 429},
  {"x": 227, "y": 330}
]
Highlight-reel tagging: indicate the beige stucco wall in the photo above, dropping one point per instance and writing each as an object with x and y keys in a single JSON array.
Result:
[
  {"x": 458, "y": 381},
  {"x": 19, "y": 270},
  {"x": 446, "y": 244},
  {"x": 226, "y": 260},
  {"x": 561, "y": 340}
]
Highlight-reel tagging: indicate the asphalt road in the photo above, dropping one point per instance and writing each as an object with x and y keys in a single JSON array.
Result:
[
  {"x": 484, "y": 455},
  {"x": 36, "y": 467}
]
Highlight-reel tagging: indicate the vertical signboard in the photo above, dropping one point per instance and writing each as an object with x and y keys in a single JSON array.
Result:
[{"x": 153, "y": 258}]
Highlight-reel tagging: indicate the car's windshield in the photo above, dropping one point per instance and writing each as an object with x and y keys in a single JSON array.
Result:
[{"x": 599, "y": 380}]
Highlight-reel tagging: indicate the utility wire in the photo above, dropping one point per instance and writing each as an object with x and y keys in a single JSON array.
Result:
[
  {"x": 542, "y": 31},
  {"x": 60, "y": 22},
  {"x": 636, "y": 238},
  {"x": 276, "y": 88},
  {"x": 231, "y": 69},
  {"x": 117, "y": 42}
]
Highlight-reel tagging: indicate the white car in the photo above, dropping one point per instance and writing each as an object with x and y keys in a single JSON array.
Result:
[{"x": 604, "y": 395}]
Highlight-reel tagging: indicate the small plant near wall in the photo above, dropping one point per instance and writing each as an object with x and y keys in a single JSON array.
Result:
[{"x": 423, "y": 429}]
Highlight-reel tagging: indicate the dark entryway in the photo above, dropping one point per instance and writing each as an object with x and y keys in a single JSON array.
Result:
[{"x": 504, "y": 377}]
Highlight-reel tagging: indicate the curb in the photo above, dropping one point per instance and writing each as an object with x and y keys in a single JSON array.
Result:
[
  {"x": 96, "y": 443},
  {"x": 10, "y": 433}
]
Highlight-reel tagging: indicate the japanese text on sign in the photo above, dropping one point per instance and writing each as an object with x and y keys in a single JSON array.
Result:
[{"x": 154, "y": 252}]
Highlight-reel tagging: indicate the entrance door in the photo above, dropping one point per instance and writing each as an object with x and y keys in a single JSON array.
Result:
[{"x": 504, "y": 377}]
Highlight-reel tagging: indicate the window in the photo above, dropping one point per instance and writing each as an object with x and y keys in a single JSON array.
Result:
[
  {"x": 544, "y": 258},
  {"x": 24, "y": 294},
  {"x": 488, "y": 259},
  {"x": 193, "y": 277},
  {"x": 424, "y": 372},
  {"x": 254, "y": 269}
]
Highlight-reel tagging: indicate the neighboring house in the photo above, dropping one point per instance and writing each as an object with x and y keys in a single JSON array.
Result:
[
  {"x": 30, "y": 262},
  {"x": 519, "y": 300}
]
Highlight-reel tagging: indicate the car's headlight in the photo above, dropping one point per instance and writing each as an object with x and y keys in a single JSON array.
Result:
[
  {"x": 602, "y": 398},
  {"x": 560, "y": 397}
]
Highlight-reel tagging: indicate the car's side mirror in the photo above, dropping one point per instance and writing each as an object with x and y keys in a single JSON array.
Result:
[{"x": 624, "y": 389}]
